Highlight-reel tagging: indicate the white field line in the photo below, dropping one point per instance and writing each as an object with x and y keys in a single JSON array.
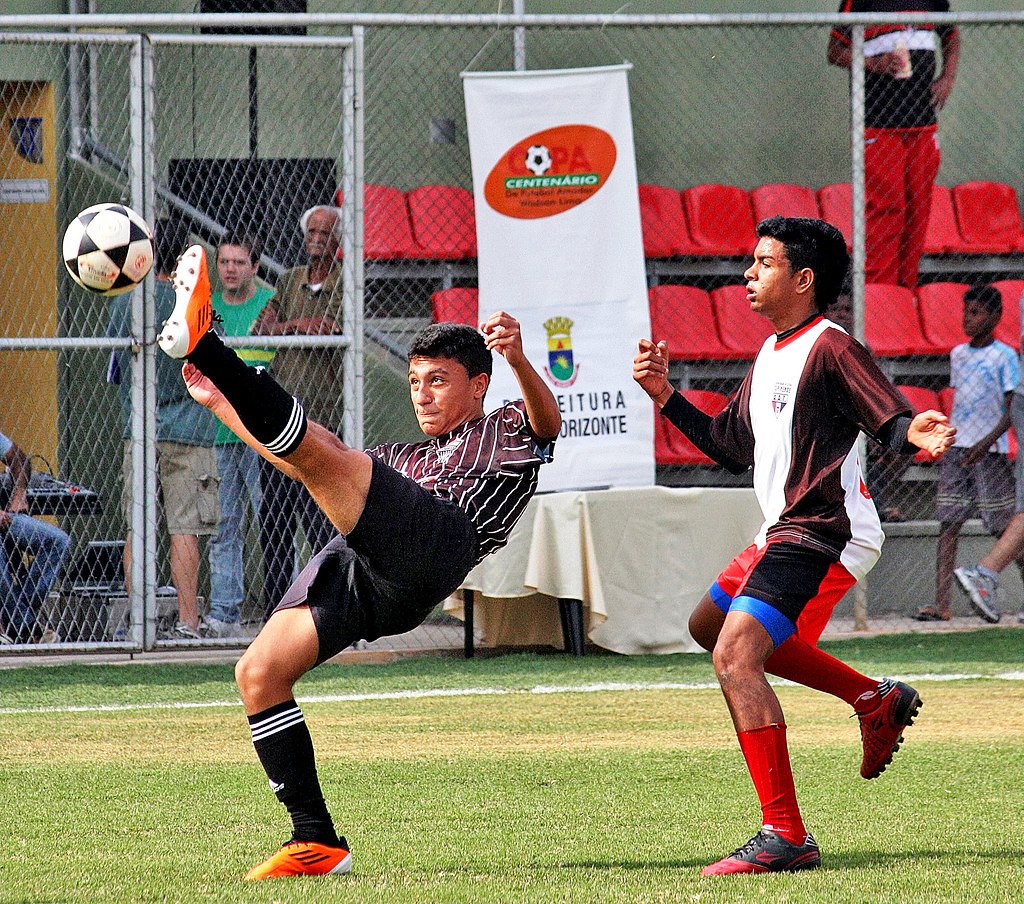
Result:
[{"x": 608, "y": 687}]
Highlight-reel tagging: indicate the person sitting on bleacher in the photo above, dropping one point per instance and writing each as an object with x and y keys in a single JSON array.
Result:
[{"x": 24, "y": 584}]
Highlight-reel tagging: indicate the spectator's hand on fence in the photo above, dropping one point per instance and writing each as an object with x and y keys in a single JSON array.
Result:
[
  {"x": 5, "y": 519},
  {"x": 317, "y": 325},
  {"x": 931, "y": 430},
  {"x": 650, "y": 370}
]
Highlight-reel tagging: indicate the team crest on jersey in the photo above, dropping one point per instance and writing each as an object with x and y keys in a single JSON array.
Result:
[
  {"x": 448, "y": 451},
  {"x": 780, "y": 397}
]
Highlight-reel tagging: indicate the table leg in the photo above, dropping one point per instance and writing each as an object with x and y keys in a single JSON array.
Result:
[
  {"x": 468, "y": 598},
  {"x": 571, "y": 613}
]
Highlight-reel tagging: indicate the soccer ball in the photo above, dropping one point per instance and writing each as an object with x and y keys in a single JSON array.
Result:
[
  {"x": 108, "y": 249},
  {"x": 538, "y": 159}
]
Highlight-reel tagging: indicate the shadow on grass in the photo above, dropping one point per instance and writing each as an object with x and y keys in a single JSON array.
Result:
[{"x": 869, "y": 859}]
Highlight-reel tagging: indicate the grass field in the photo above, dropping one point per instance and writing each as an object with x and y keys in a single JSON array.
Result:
[{"x": 524, "y": 778}]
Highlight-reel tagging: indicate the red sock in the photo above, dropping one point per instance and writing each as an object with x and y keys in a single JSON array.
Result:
[
  {"x": 796, "y": 660},
  {"x": 767, "y": 758}
]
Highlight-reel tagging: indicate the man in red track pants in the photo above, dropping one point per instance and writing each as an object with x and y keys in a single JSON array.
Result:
[{"x": 901, "y": 150}]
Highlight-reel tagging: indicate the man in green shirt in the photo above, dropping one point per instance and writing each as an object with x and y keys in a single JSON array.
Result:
[{"x": 239, "y": 304}]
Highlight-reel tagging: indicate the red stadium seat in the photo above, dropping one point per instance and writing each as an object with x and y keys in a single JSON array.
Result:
[
  {"x": 741, "y": 329},
  {"x": 943, "y": 235},
  {"x": 682, "y": 317},
  {"x": 836, "y": 205},
  {"x": 989, "y": 217},
  {"x": 721, "y": 219},
  {"x": 671, "y": 447},
  {"x": 892, "y": 326},
  {"x": 455, "y": 305},
  {"x": 946, "y": 400},
  {"x": 664, "y": 223},
  {"x": 1009, "y": 327},
  {"x": 386, "y": 230},
  {"x": 785, "y": 199},
  {"x": 941, "y": 306},
  {"x": 921, "y": 399},
  {"x": 443, "y": 221}
]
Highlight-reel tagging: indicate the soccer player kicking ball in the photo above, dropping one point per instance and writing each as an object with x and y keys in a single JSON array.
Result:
[
  {"x": 413, "y": 519},
  {"x": 795, "y": 421}
]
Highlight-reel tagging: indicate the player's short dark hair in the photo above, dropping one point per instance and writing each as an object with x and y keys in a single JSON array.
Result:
[
  {"x": 170, "y": 236},
  {"x": 242, "y": 240},
  {"x": 813, "y": 244},
  {"x": 987, "y": 297},
  {"x": 458, "y": 341}
]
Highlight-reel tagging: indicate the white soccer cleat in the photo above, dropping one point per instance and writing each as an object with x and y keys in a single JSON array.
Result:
[{"x": 192, "y": 314}]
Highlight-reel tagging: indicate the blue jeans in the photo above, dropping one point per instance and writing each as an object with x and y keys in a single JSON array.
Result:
[
  {"x": 22, "y": 590},
  {"x": 239, "y": 470}
]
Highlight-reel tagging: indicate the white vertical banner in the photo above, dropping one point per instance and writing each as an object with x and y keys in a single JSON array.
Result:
[{"x": 560, "y": 248}]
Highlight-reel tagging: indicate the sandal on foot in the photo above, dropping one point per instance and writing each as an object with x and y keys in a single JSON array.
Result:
[{"x": 930, "y": 614}]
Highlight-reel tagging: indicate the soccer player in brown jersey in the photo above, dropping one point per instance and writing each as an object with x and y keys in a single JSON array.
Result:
[
  {"x": 413, "y": 519},
  {"x": 795, "y": 420}
]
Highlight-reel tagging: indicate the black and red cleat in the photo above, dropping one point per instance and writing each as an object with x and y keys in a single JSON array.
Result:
[
  {"x": 883, "y": 714},
  {"x": 768, "y": 852}
]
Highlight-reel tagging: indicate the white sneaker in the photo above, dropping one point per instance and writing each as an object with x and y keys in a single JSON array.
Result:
[
  {"x": 982, "y": 591},
  {"x": 186, "y": 632},
  {"x": 192, "y": 314},
  {"x": 218, "y": 628}
]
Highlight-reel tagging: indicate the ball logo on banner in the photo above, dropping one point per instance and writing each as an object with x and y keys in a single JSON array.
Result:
[
  {"x": 560, "y": 370},
  {"x": 551, "y": 171}
]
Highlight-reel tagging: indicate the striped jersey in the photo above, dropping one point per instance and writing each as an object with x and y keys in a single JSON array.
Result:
[
  {"x": 488, "y": 467},
  {"x": 796, "y": 420}
]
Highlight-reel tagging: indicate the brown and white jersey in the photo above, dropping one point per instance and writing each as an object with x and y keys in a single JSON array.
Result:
[
  {"x": 795, "y": 420},
  {"x": 488, "y": 467}
]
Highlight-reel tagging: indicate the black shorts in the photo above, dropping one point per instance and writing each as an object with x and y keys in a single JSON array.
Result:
[{"x": 409, "y": 550}]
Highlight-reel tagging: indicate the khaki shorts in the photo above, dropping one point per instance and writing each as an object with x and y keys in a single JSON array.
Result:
[{"x": 188, "y": 484}]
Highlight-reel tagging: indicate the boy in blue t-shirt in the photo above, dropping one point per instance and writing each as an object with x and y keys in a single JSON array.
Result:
[{"x": 975, "y": 477}]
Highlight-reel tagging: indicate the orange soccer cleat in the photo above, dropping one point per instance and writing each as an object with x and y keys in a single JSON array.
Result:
[
  {"x": 192, "y": 314},
  {"x": 304, "y": 858}
]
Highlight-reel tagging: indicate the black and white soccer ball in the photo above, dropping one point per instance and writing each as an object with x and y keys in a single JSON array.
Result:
[
  {"x": 108, "y": 249},
  {"x": 538, "y": 159}
]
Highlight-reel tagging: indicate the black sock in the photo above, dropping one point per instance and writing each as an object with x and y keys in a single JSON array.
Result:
[
  {"x": 267, "y": 410},
  {"x": 285, "y": 749}
]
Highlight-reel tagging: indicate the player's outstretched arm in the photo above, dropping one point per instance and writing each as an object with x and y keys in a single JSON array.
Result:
[
  {"x": 503, "y": 335},
  {"x": 650, "y": 370},
  {"x": 931, "y": 430}
]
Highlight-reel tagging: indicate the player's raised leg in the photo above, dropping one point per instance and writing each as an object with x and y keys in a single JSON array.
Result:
[
  {"x": 257, "y": 408},
  {"x": 884, "y": 708}
]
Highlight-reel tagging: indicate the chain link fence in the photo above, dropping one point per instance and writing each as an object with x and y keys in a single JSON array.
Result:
[{"x": 208, "y": 133}]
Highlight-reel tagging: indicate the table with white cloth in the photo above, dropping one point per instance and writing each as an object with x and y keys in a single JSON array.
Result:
[{"x": 636, "y": 562}]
